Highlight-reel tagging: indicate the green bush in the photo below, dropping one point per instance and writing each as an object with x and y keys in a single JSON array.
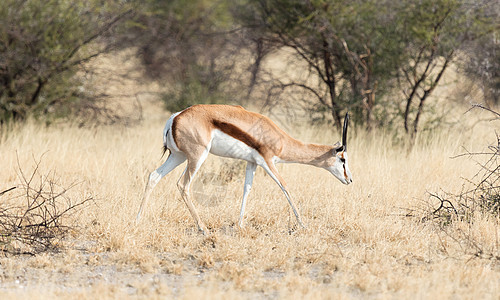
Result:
[
  {"x": 42, "y": 46},
  {"x": 192, "y": 92}
]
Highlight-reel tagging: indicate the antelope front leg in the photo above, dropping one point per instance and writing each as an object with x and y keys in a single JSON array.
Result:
[
  {"x": 273, "y": 172},
  {"x": 250, "y": 172}
]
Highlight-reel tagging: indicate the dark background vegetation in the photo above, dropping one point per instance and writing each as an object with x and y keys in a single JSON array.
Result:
[{"x": 380, "y": 60}]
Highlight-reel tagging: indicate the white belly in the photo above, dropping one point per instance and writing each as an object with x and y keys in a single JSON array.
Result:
[{"x": 227, "y": 146}]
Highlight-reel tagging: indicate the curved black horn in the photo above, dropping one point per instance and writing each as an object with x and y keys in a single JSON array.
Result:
[{"x": 344, "y": 131}]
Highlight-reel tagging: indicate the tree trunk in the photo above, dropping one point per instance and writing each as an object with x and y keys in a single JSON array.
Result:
[
  {"x": 426, "y": 94},
  {"x": 330, "y": 82},
  {"x": 35, "y": 95}
]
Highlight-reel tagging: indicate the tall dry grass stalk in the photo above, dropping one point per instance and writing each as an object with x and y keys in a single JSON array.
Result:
[{"x": 359, "y": 241}]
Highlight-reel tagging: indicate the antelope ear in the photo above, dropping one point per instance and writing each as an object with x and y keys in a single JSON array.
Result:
[
  {"x": 337, "y": 145},
  {"x": 340, "y": 148}
]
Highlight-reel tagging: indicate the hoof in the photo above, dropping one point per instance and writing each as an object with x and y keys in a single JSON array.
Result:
[{"x": 204, "y": 231}]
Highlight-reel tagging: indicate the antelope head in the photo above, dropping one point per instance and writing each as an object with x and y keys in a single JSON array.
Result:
[{"x": 338, "y": 166}]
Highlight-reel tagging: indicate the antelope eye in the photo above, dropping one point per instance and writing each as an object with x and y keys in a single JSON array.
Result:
[
  {"x": 342, "y": 160},
  {"x": 339, "y": 149}
]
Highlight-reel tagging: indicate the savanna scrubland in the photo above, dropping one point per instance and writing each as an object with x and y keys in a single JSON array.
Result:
[
  {"x": 372, "y": 239},
  {"x": 86, "y": 87}
]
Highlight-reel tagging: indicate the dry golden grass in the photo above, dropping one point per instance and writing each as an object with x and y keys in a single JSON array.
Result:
[{"x": 358, "y": 243}]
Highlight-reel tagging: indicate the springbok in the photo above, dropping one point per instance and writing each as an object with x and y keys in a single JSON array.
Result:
[{"x": 232, "y": 131}]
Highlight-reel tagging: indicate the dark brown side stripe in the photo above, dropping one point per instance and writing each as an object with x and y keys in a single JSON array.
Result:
[{"x": 238, "y": 134}]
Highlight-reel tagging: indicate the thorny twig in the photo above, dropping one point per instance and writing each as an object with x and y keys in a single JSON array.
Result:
[
  {"x": 481, "y": 199},
  {"x": 39, "y": 221}
]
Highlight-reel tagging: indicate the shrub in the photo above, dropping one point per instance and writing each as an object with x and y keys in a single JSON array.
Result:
[
  {"x": 480, "y": 198},
  {"x": 42, "y": 45},
  {"x": 35, "y": 218}
]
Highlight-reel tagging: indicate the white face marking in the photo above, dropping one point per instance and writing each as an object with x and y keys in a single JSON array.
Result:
[
  {"x": 340, "y": 168},
  {"x": 227, "y": 146}
]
